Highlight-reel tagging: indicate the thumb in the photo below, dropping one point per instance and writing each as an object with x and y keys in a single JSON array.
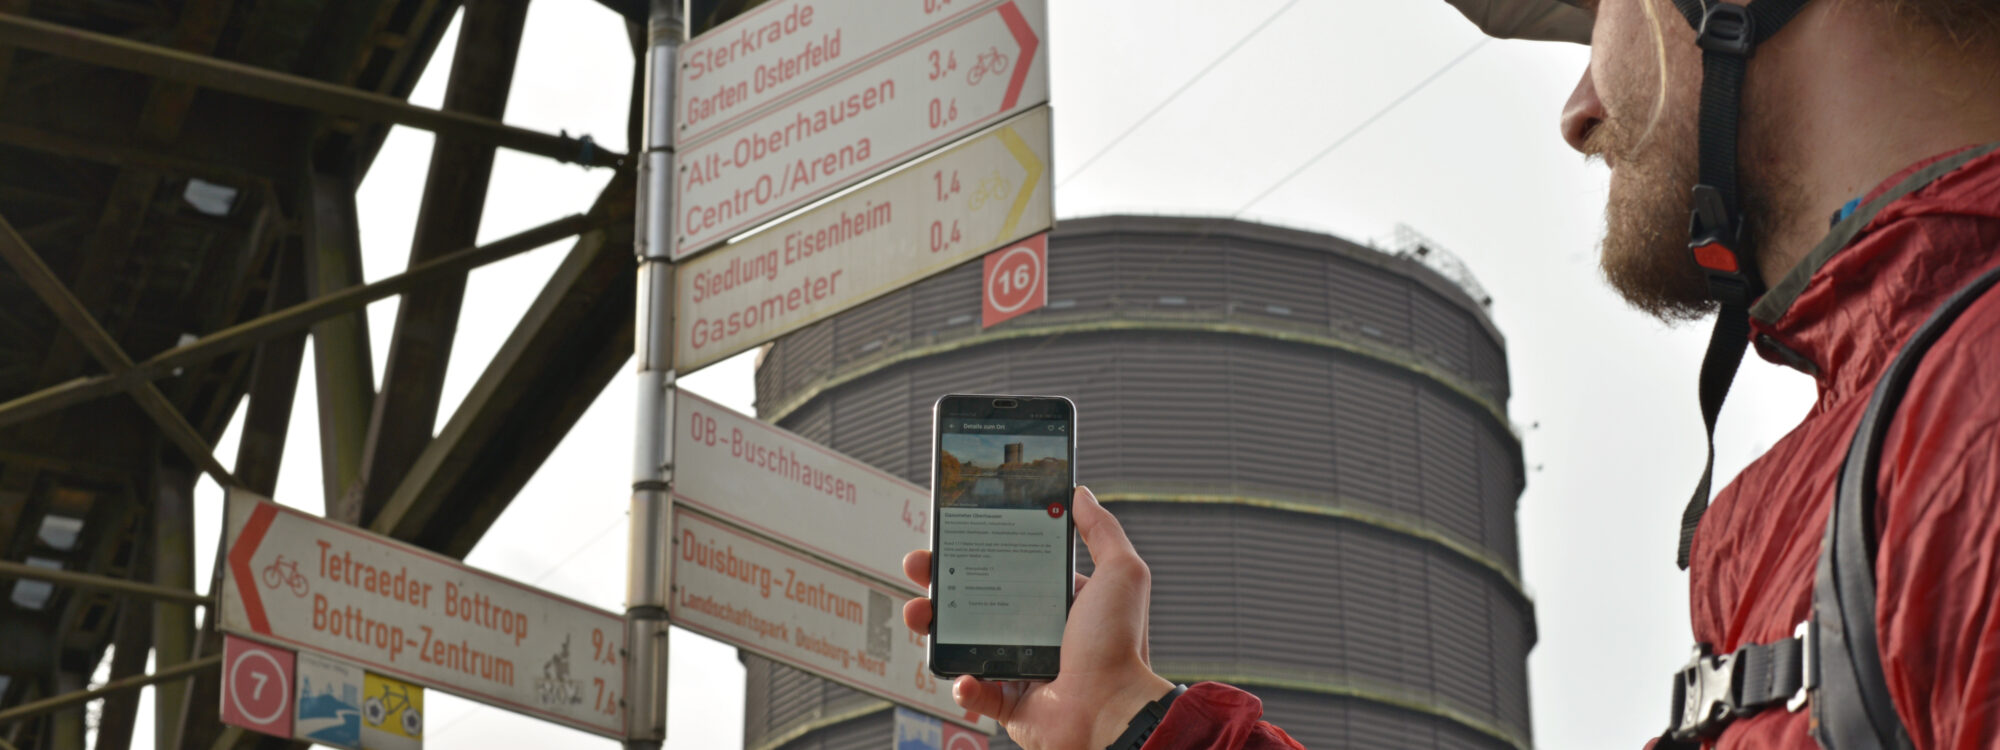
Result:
[
  {"x": 1101, "y": 533},
  {"x": 979, "y": 696}
]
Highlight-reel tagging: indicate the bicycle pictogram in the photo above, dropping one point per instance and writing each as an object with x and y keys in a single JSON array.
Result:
[
  {"x": 990, "y": 61},
  {"x": 281, "y": 572},
  {"x": 394, "y": 699},
  {"x": 992, "y": 188}
]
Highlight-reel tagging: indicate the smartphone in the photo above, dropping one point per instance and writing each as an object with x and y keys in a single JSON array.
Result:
[{"x": 1003, "y": 545}]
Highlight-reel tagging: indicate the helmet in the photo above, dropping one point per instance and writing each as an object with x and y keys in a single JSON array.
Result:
[{"x": 1540, "y": 20}]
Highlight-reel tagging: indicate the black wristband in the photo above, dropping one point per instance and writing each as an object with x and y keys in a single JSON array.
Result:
[{"x": 1148, "y": 719}]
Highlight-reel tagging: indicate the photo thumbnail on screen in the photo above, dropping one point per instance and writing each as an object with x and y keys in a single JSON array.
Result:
[{"x": 1002, "y": 469}]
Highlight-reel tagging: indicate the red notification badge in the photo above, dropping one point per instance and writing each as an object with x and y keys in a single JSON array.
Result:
[{"x": 1055, "y": 509}]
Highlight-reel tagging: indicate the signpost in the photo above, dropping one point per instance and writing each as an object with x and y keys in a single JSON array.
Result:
[
  {"x": 794, "y": 490},
  {"x": 945, "y": 210},
  {"x": 775, "y": 110},
  {"x": 316, "y": 585},
  {"x": 1016, "y": 281},
  {"x": 777, "y": 49},
  {"x": 971, "y": 73},
  {"x": 759, "y": 596}
]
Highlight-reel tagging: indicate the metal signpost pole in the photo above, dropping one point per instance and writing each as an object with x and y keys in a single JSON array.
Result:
[{"x": 652, "y": 470}]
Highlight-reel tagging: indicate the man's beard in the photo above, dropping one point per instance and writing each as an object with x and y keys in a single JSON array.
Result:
[{"x": 1645, "y": 253}]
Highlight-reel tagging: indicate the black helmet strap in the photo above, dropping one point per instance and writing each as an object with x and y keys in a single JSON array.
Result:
[{"x": 1728, "y": 35}]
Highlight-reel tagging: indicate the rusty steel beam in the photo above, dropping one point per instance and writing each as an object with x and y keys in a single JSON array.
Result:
[
  {"x": 36, "y": 274},
  {"x": 482, "y": 70},
  {"x": 130, "y": 646},
  {"x": 52, "y": 703},
  {"x": 569, "y": 344},
  {"x": 342, "y": 362},
  {"x": 290, "y": 320},
  {"x": 80, "y": 580},
  {"x": 297, "y": 91},
  {"x": 125, "y": 153}
]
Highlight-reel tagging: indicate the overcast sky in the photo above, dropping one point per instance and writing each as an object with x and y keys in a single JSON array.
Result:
[{"x": 1604, "y": 397}]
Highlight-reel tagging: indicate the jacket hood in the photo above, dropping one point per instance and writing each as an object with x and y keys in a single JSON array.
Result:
[{"x": 1844, "y": 310}]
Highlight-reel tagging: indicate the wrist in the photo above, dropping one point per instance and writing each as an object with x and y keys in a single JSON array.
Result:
[{"x": 1118, "y": 711}]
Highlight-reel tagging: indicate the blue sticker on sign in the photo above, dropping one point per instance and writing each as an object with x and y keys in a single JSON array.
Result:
[
  {"x": 329, "y": 710},
  {"x": 915, "y": 731}
]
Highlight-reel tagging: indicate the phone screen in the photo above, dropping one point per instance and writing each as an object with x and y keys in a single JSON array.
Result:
[{"x": 1004, "y": 548}]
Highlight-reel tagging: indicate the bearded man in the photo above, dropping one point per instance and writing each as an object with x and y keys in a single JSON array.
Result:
[{"x": 1822, "y": 177}]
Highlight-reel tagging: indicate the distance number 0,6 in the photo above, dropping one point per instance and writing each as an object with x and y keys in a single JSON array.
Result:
[
  {"x": 943, "y": 113},
  {"x": 942, "y": 239},
  {"x": 933, "y": 6}
]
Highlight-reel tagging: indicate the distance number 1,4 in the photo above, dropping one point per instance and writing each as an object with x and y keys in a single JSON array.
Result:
[{"x": 946, "y": 187}]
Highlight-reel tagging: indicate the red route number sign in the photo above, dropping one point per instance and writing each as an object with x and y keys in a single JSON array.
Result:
[
  {"x": 1016, "y": 280},
  {"x": 257, "y": 686}
]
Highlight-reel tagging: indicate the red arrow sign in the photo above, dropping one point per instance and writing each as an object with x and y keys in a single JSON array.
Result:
[
  {"x": 240, "y": 552},
  {"x": 1024, "y": 35}
]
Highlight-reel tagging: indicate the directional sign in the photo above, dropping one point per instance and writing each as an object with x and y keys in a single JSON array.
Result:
[
  {"x": 256, "y": 687},
  {"x": 316, "y": 585},
  {"x": 797, "y": 491},
  {"x": 778, "y": 49},
  {"x": 980, "y": 194},
  {"x": 800, "y": 611},
  {"x": 1016, "y": 281},
  {"x": 979, "y": 70}
]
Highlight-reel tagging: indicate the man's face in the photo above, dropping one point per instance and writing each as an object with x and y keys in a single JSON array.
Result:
[{"x": 1642, "y": 124}]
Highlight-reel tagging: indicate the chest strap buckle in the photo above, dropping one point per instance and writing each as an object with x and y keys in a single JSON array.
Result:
[{"x": 1714, "y": 690}]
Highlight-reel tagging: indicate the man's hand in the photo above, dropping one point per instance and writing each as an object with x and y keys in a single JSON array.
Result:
[{"x": 1106, "y": 675}]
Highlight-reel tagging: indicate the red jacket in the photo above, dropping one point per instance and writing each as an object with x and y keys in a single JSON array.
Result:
[
  {"x": 1211, "y": 715},
  {"x": 1938, "y": 559}
]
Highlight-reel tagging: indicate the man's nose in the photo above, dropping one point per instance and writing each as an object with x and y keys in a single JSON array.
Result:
[{"x": 1582, "y": 113}]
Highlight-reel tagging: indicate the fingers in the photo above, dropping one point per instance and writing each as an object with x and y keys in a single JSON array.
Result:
[
  {"x": 1101, "y": 533},
  {"x": 1081, "y": 579},
  {"x": 973, "y": 694},
  {"x": 917, "y": 566},
  {"x": 917, "y": 615}
]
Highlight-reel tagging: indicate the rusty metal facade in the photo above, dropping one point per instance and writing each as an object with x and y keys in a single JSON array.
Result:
[{"x": 1306, "y": 439}]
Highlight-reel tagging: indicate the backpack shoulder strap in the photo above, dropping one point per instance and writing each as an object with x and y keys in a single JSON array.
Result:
[{"x": 1851, "y": 705}]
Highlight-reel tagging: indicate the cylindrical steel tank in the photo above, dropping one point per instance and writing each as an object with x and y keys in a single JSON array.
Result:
[{"x": 1306, "y": 438}]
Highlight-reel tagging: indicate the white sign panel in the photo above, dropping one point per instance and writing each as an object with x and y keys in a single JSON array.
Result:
[
  {"x": 315, "y": 585},
  {"x": 797, "y": 491},
  {"x": 979, "y": 70},
  {"x": 949, "y": 208},
  {"x": 800, "y": 611},
  {"x": 777, "y": 49}
]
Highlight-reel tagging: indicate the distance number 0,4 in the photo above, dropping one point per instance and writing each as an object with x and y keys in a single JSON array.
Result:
[
  {"x": 933, "y": 6},
  {"x": 941, "y": 239}
]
